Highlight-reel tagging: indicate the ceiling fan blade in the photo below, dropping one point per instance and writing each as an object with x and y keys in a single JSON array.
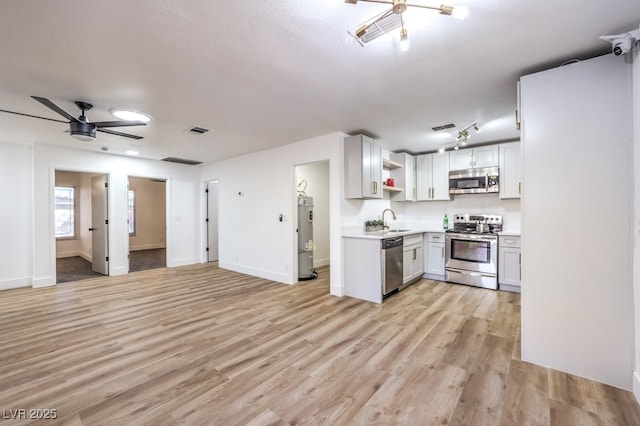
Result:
[
  {"x": 118, "y": 123},
  {"x": 46, "y": 102},
  {"x": 32, "y": 116},
  {"x": 113, "y": 132}
]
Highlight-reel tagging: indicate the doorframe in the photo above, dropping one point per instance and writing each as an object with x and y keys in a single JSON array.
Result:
[
  {"x": 167, "y": 222},
  {"x": 294, "y": 216},
  {"x": 207, "y": 222},
  {"x": 52, "y": 212}
]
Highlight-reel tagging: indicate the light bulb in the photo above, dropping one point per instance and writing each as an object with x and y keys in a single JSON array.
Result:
[
  {"x": 404, "y": 40},
  {"x": 476, "y": 128},
  {"x": 460, "y": 12},
  {"x": 441, "y": 150},
  {"x": 456, "y": 147}
]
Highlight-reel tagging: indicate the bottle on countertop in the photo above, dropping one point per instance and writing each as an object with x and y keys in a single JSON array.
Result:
[{"x": 445, "y": 222}]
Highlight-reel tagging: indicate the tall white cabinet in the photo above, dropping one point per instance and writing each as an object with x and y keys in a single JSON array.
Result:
[
  {"x": 510, "y": 170},
  {"x": 577, "y": 290},
  {"x": 362, "y": 167}
]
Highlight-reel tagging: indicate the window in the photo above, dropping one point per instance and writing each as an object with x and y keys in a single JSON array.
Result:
[
  {"x": 132, "y": 212},
  {"x": 65, "y": 207}
]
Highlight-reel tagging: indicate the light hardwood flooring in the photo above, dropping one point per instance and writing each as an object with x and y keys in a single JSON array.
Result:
[{"x": 201, "y": 345}]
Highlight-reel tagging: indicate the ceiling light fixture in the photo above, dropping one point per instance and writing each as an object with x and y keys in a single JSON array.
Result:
[
  {"x": 392, "y": 19},
  {"x": 132, "y": 153},
  {"x": 461, "y": 138},
  {"x": 129, "y": 115}
]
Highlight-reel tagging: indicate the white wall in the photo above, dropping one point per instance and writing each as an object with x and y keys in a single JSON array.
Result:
[
  {"x": 317, "y": 177},
  {"x": 150, "y": 214},
  {"x": 254, "y": 190},
  {"x": 16, "y": 212},
  {"x": 183, "y": 203},
  {"x": 577, "y": 299}
]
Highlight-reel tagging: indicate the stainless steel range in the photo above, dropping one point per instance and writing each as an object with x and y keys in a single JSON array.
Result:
[{"x": 471, "y": 255}]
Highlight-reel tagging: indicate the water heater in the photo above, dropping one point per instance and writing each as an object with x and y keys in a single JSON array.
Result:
[{"x": 305, "y": 238}]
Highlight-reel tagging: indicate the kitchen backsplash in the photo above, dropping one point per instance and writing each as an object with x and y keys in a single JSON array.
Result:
[{"x": 431, "y": 213}]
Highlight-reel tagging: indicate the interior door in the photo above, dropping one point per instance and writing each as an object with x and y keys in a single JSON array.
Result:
[
  {"x": 99, "y": 225},
  {"x": 212, "y": 220}
]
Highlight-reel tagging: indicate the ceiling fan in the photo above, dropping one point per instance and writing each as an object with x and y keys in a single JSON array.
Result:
[
  {"x": 392, "y": 19},
  {"x": 81, "y": 128}
]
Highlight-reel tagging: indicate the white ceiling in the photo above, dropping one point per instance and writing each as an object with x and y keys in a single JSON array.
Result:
[{"x": 266, "y": 73}]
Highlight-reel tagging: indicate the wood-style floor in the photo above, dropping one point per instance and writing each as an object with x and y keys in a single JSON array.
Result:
[{"x": 201, "y": 345}]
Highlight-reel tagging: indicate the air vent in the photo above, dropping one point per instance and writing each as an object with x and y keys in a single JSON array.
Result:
[
  {"x": 198, "y": 130},
  {"x": 181, "y": 161},
  {"x": 443, "y": 127}
]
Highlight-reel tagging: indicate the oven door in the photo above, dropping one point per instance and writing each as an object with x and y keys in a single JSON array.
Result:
[{"x": 472, "y": 252}]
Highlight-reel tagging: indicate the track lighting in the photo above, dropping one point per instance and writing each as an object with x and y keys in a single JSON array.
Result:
[
  {"x": 391, "y": 20},
  {"x": 461, "y": 138}
]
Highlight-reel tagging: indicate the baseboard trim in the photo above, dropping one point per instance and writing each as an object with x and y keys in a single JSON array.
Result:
[
  {"x": 183, "y": 262},
  {"x": 15, "y": 283},
  {"x": 256, "y": 272},
  {"x": 317, "y": 263},
  {"x": 636, "y": 385},
  {"x": 43, "y": 282},
  {"x": 148, "y": 247}
]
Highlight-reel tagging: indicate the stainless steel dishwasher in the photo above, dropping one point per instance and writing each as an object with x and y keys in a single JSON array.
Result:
[{"x": 391, "y": 264}]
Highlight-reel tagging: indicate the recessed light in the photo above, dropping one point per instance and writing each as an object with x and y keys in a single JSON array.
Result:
[
  {"x": 132, "y": 153},
  {"x": 124, "y": 114}
]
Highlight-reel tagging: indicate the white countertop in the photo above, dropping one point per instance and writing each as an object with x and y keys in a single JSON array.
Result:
[{"x": 358, "y": 232}]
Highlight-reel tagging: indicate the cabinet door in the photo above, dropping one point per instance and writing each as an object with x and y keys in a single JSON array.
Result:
[
  {"x": 440, "y": 176},
  {"x": 509, "y": 266},
  {"x": 460, "y": 159},
  {"x": 371, "y": 169},
  {"x": 424, "y": 181},
  {"x": 410, "y": 178},
  {"x": 435, "y": 259},
  {"x": 407, "y": 254},
  {"x": 416, "y": 264},
  {"x": 485, "y": 156},
  {"x": 510, "y": 170}
]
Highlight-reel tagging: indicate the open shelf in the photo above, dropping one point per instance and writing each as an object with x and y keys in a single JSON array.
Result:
[
  {"x": 391, "y": 188},
  {"x": 390, "y": 165}
]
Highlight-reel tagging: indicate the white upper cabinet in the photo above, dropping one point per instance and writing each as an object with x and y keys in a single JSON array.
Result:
[
  {"x": 483, "y": 156},
  {"x": 432, "y": 177},
  {"x": 362, "y": 167},
  {"x": 404, "y": 177},
  {"x": 510, "y": 170}
]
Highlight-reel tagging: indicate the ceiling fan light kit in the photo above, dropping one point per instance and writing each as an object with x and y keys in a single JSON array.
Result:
[
  {"x": 392, "y": 19},
  {"x": 81, "y": 128}
]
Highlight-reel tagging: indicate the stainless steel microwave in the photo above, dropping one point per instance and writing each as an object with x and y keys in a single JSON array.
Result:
[{"x": 474, "y": 181}]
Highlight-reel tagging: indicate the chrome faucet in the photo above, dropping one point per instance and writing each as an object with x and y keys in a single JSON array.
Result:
[{"x": 385, "y": 227}]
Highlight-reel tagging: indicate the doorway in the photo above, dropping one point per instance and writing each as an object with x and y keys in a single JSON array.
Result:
[
  {"x": 212, "y": 192},
  {"x": 81, "y": 231},
  {"x": 312, "y": 182},
  {"x": 147, "y": 223}
]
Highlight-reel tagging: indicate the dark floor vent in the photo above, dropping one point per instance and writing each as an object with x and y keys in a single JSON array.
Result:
[
  {"x": 443, "y": 127},
  {"x": 198, "y": 130},
  {"x": 181, "y": 161}
]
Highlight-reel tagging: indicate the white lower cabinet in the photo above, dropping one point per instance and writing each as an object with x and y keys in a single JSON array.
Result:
[
  {"x": 509, "y": 259},
  {"x": 434, "y": 256},
  {"x": 412, "y": 258}
]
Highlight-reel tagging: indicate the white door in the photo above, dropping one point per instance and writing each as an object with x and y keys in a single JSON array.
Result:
[
  {"x": 99, "y": 225},
  {"x": 212, "y": 220}
]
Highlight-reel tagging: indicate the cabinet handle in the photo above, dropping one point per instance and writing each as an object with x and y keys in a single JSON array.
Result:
[
  {"x": 509, "y": 241},
  {"x": 433, "y": 193},
  {"x": 519, "y": 188},
  {"x": 471, "y": 160},
  {"x": 414, "y": 195},
  {"x": 443, "y": 252},
  {"x": 374, "y": 187},
  {"x": 414, "y": 254}
]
